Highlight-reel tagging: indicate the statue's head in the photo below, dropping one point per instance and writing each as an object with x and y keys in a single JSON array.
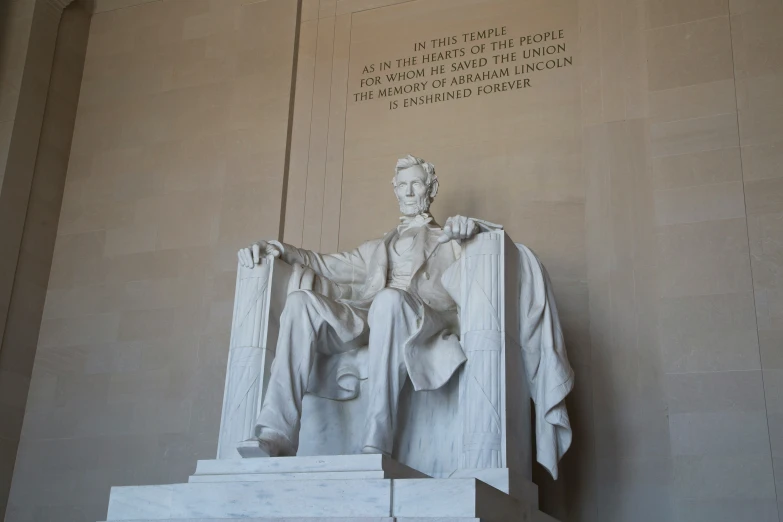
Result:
[{"x": 415, "y": 185}]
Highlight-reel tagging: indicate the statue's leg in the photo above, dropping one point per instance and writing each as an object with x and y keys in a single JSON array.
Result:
[
  {"x": 393, "y": 318},
  {"x": 310, "y": 322}
]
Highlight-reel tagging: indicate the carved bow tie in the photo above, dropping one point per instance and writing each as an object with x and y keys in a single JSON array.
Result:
[{"x": 419, "y": 220}]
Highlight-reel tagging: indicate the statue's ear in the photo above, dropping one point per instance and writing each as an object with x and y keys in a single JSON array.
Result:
[{"x": 434, "y": 188}]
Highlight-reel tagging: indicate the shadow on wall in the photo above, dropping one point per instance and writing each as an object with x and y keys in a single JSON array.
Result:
[
  {"x": 6, "y": 34},
  {"x": 41, "y": 162}
]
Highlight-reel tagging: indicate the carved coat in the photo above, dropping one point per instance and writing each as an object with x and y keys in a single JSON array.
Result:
[{"x": 433, "y": 353}]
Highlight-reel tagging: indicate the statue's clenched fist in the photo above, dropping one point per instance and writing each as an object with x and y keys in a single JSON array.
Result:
[
  {"x": 458, "y": 227},
  {"x": 253, "y": 254}
]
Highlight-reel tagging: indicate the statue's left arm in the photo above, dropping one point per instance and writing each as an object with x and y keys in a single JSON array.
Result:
[{"x": 343, "y": 268}]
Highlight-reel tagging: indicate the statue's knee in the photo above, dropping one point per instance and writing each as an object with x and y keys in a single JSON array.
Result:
[
  {"x": 298, "y": 301},
  {"x": 387, "y": 299}
]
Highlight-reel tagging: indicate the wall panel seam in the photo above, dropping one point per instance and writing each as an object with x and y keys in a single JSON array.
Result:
[{"x": 750, "y": 265}]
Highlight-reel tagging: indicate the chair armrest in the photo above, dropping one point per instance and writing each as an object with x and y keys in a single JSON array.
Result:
[{"x": 258, "y": 302}]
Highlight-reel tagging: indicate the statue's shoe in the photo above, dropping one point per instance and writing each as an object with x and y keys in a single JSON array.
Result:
[
  {"x": 254, "y": 448},
  {"x": 269, "y": 443},
  {"x": 372, "y": 450}
]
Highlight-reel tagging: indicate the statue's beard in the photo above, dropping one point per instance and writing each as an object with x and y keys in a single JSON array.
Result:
[{"x": 414, "y": 209}]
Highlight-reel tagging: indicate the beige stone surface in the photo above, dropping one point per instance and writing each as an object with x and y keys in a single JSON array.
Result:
[
  {"x": 694, "y": 135},
  {"x": 38, "y": 104},
  {"x": 704, "y": 258},
  {"x": 544, "y": 119},
  {"x": 763, "y": 161},
  {"x": 707, "y": 400},
  {"x": 300, "y": 132},
  {"x": 700, "y": 203},
  {"x": 690, "y": 53},
  {"x": 696, "y": 169},
  {"x": 709, "y": 333},
  {"x": 757, "y": 41},
  {"x": 758, "y": 64},
  {"x": 671, "y": 12},
  {"x": 177, "y": 160},
  {"x": 693, "y": 101}
]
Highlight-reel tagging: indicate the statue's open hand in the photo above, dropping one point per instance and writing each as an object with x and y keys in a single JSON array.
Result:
[
  {"x": 253, "y": 254},
  {"x": 458, "y": 227}
]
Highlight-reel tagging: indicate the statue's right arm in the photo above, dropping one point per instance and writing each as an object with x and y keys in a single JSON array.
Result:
[{"x": 341, "y": 268}]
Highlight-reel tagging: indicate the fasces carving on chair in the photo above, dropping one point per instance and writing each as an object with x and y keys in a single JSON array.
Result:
[{"x": 426, "y": 344}]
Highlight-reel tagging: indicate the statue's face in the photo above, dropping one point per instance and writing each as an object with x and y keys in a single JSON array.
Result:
[{"x": 412, "y": 191}]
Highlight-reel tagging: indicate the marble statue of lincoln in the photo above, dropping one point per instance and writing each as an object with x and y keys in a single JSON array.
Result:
[{"x": 391, "y": 300}]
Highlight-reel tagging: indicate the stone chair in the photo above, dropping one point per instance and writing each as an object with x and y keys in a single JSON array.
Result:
[{"x": 478, "y": 425}]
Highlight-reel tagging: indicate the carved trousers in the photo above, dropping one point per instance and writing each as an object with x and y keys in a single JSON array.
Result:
[{"x": 313, "y": 323}]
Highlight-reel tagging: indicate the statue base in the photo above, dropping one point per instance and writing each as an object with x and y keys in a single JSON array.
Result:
[{"x": 355, "y": 488}]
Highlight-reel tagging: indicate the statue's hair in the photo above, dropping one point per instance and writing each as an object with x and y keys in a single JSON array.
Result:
[{"x": 412, "y": 161}]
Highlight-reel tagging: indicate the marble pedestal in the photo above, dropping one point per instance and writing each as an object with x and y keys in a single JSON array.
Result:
[{"x": 353, "y": 488}]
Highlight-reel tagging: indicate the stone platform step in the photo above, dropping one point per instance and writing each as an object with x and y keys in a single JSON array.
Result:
[
  {"x": 537, "y": 517},
  {"x": 348, "y": 467},
  {"x": 335, "y": 498},
  {"x": 295, "y": 468},
  {"x": 346, "y": 488}
]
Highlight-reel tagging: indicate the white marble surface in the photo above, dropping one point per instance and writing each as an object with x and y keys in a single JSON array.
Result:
[
  {"x": 480, "y": 417},
  {"x": 309, "y": 464},
  {"x": 259, "y": 295},
  {"x": 140, "y": 502},
  {"x": 455, "y": 498},
  {"x": 429, "y": 435},
  {"x": 434, "y": 432},
  {"x": 480, "y": 409},
  {"x": 536, "y": 517},
  {"x": 311, "y": 519},
  {"x": 301, "y": 498},
  {"x": 361, "y": 499},
  {"x": 325, "y": 498},
  {"x": 324, "y": 519},
  {"x": 505, "y": 480},
  {"x": 261, "y": 477},
  {"x": 408, "y": 259}
]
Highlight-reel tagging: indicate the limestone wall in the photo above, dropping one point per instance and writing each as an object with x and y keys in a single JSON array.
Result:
[
  {"x": 40, "y": 75},
  {"x": 177, "y": 159}
]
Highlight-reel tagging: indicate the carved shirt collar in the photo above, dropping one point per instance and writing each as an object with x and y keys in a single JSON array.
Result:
[{"x": 419, "y": 220}]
